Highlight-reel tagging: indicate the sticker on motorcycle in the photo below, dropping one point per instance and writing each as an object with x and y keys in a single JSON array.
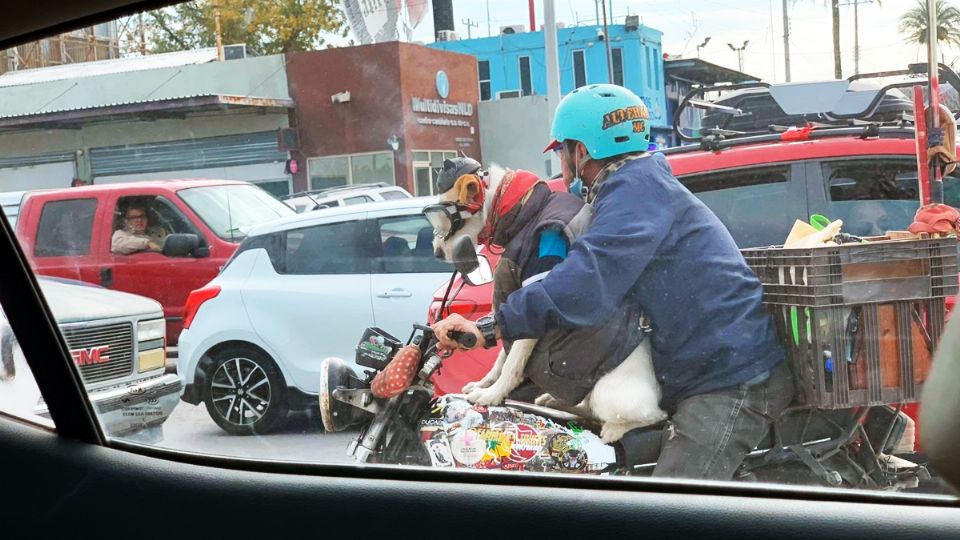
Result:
[
  {"x": 527, "y": 443},
  {"x": 440, "y": 454},
  {"x": 468, "y": 447},
  {"x": 567, "y": 453}
]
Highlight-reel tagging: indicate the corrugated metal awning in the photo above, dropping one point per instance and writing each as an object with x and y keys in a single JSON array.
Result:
[
  {"x": 148, "y": 109},
  {"x": 258, "y": 81}
]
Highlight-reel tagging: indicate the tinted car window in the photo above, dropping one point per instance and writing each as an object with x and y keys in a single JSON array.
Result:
[
  {"x": 326, "y": 249},
  {"x": 873, "y": 196},
  {"x": 65, "y": 228},
  {"x": 406, "y": 246},
  {"x": 356, "y": 200},
  {"x": 754, "y": 204},
  {"x": 273, "y": 243},
  {"x": 393, "y": 195}
]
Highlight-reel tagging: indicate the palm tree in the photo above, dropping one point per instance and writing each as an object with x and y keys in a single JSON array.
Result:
[{"x": 913, "y": 23}]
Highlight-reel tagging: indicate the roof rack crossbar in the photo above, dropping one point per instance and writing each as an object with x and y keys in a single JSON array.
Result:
[{"x": 946, "y": 75}]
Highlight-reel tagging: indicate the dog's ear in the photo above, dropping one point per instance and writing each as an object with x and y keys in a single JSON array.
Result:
[{"x": 468, "y": 187}]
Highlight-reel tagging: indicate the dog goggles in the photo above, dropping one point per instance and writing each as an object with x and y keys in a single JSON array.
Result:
[{"x": 446, "y": 218}]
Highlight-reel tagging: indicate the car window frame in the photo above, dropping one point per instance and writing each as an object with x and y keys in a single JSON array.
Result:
[{"x": 378, "y": 265}]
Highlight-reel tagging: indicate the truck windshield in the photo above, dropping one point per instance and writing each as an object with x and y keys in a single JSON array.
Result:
[{"x": 231, "y": 210}]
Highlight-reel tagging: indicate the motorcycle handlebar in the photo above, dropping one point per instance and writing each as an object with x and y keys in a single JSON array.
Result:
[{"x": 466, "y": 339}]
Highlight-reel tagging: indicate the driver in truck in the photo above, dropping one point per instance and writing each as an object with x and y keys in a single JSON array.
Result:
[{"x": 136, "y": 234}]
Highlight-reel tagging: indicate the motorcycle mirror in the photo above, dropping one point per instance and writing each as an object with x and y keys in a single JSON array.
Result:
[
  {"x": 482, "y": 275},
  {"x": 464, "y": 255}
]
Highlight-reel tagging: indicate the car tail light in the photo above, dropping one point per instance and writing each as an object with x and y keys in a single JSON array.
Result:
[{"x": 195, "y": 300}]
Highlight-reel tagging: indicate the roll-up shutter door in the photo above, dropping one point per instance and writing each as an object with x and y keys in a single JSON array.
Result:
[
  {"x": 203, "y": 153},
  {"x": 39, "y": 171}
]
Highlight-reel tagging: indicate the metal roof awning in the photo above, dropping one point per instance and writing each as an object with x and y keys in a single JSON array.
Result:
[
  {"x": 697, "y": 71},
  {"x": 69, "y": 103},
  {"x": 141, "y": 110}
]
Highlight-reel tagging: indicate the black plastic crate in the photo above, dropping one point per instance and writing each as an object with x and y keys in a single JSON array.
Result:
[
  {"x": 859, "y": 273},
  {"x": 860, "y": 355}
]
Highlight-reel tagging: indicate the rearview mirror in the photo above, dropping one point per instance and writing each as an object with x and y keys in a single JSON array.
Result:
[
  {"x": 482, "y": 275},
  {"x": 181, "y": 245},
  {"x": 464, "y": 255}
]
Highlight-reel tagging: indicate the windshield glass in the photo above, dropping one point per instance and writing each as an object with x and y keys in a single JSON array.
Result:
[
  {"x": 709, "y": 246},
  {"x": 230, "y": 211}
]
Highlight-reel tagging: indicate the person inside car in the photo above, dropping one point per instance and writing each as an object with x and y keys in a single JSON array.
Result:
[
  {"x": 715, "y": 350},
  {"x": 136, "y": 234}
]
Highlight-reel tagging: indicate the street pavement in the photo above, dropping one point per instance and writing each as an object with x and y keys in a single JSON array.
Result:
[{"x": 190, "y": 428}]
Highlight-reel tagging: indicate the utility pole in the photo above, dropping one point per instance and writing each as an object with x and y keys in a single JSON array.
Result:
[
  {"x": 856, "y": 31},
  {"x": 739, "y": 51},
  {"x": 470, "y": 25},
  {"x": 596, "y": 6},
  {"x": 773, "y": 43},
  {"x": 488, "y": 19},
  {"x": 606, "y": 43},
  {"x": 551, "y": 57},
  {"x": 216, "y": 23},
  {"x": 786, "y": 41},
  {"x": 143, "y": 36}
]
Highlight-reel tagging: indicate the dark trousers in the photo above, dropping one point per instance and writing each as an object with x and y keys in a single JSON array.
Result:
[{"x": 710, "y": 434}]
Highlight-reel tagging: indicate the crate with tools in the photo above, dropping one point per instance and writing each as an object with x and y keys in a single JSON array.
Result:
[{"x": 859, "y": 318}]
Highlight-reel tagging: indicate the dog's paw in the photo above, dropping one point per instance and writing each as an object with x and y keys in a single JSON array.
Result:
[
  {"x": 612, "y": 432},
  {"x": 471, "y": 386},
  {"x": 546, "y": 400},
  {"x": 486, "y": 396}
]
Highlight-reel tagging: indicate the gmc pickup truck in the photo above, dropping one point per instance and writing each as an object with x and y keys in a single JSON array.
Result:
[{"x": 117, "y": 342}]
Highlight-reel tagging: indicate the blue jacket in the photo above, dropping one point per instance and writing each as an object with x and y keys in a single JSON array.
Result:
[{"x": 652, "y": 242}]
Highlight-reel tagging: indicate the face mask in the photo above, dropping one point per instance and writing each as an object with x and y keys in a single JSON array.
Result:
[{"x": 576, "y": 186}]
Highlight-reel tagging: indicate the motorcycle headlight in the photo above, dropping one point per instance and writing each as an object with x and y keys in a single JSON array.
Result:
[{"x": 151, "y": 330}]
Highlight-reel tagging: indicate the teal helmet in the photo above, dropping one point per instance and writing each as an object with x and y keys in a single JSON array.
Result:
[{"x": 608, "y": 119}]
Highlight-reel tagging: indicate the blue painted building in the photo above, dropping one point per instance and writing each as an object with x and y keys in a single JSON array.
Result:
[{"x": 513, "y": 64}]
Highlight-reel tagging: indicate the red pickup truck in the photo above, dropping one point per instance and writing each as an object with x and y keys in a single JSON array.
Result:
[{"x": 68, "y": 233}]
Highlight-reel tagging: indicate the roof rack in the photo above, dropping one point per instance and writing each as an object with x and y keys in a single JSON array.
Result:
[
  {"x": 329, "y": 190},
  {"x": 830, "y": 121}
]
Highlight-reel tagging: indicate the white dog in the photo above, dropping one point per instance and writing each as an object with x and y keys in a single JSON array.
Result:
[{"x": 626, "y": 398}]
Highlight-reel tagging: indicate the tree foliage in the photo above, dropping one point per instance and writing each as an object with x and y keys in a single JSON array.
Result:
[
  {"x": 266, "y": 26},
  {"x": 913, "y": 23}
]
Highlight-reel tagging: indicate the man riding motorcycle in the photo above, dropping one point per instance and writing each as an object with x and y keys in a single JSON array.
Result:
[{"x": 655, "y": 246}]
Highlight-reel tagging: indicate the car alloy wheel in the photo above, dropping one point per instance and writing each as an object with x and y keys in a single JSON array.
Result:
[
  {"x": 240, "y": 391},
  {"x": 244, "y": 392}
]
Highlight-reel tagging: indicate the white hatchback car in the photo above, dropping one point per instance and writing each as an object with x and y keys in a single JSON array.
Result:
[{"x": 297, "y": 290}]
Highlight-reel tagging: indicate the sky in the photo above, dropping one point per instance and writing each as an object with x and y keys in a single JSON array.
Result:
[{"x": 686, "y": 23}]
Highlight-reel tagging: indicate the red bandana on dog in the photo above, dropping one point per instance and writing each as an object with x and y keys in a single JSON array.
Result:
[{"x": 513, "y": 188}]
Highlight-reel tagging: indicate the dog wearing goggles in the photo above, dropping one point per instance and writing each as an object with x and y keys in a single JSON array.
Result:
[{"x": 623, "y": 399}]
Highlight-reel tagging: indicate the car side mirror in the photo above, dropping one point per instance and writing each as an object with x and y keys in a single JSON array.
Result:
[
  {"x": 181, "y": 245},
  {"x": 482, "y": 275},
  {"x": 464, "y": 255}
]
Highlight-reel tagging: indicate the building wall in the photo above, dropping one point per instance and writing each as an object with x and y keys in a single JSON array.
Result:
[
  {"x": 505, "y": 145},
  {"x": 642, "y": 61},
  {"x": 15, "y": 144},
  {"x": 419, "y": 79},
  {"x": 382, "y": 80}
]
